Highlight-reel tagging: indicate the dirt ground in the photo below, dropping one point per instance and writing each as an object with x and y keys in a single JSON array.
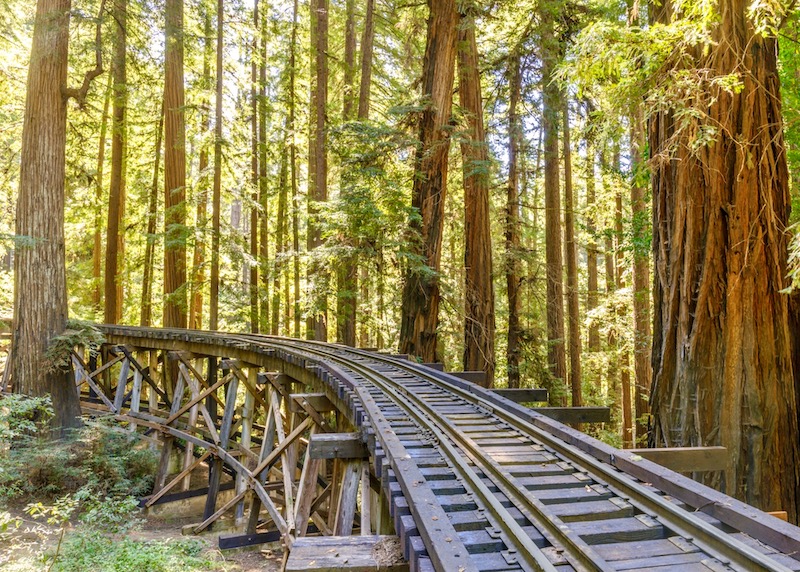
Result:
[{"x": 21, "y": 548}]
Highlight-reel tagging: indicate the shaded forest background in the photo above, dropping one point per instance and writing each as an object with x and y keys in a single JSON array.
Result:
[{"x": 564, "y": 87}]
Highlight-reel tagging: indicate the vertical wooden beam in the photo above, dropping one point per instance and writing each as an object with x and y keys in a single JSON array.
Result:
[
  {"x": 247, "y": 430},
  {"x": 136, "y": 396},
  {"x": 122, "y": 383},
  {"x": 366, "y": 497},
  {"x": 224, "y": 437},
  {"x": 348, "y": 498},
  {"x": 306, "y": 491},
  {"x": 169, "y": 441},
  {"x": 267, "y": 445},
  {"x": 188, "y": 453}
]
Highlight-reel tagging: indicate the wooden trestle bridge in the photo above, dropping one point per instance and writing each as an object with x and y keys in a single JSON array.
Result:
[{"x": 331, "y": 449}]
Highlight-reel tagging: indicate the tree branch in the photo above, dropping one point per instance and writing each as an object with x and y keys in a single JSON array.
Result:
[{"x": 80, "y": 93}]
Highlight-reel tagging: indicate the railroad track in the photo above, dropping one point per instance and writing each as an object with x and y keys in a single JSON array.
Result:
[{"x": 475, "y": 482}]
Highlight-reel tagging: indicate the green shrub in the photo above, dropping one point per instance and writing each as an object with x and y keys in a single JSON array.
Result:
[{"x": 101, "y": 553}]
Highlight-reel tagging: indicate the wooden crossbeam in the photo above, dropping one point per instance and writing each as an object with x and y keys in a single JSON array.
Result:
[
  {"x": 337, "y": 446},
  {"x": 282, "y": 446},
  {"x": 319, "y": 402},
  {"x": 155, "y": 498},
  {"x": 576, "y": 414},
  {"x": 686, "y": 459},
  {"x": 476, "y": 377},
  {"x": 522, "y": 395},
  {"x": 225, "y": 508}
]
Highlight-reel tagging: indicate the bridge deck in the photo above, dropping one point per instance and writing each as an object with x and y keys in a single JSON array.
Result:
[{"x": 467, "y": 479}]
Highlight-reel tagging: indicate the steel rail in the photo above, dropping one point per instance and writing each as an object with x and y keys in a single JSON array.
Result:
[{"x": 707, "y": 537}]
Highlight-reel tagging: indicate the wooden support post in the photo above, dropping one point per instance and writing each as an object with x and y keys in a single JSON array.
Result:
[
  {"x": 224, "y": 436},
  {"x": 385, "y": 525},
  {"x": 348, "y": 498},
  {"x": 122, "y": 383},
  {"x": 169, "y": 440},
  {"x": 306, "y": 491},
  {"x": 247, "y": 429},
  {"x": 188, "y": 454},
  {"x": 267, "y": 446},
  {"x": 136, "y": 396},
  {"x": 366, "y": 497}
]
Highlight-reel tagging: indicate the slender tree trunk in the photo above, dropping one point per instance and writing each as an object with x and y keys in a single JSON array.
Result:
[
  {"x": 512, "y": 224},
  {"x": 641, "y": 281},
  {"x": 317, "y": 326},
  {"x": 612, "y": 349},
  {"x": 551, "y": 104},
  {"x": 174, "y": 171},
  {"x": 152, "y": 220},
  {"x": 280, "y": 243},
  {"x": 263, "y": 174},
  {"x": 347, "y": 272},
  {"x": 115, "y": 233},
  {"x": 216, "y": 193},
  {"x": 97, "y": 251},
  {"x": 722, "y": 349},
  {"x": 479, "y": 324},
  {"x": 199, "y": 256},
  {"x": 293, "y": 172},
  {"x": 591, "y": 247},
  {"x": 571, "y": 255},
  {"x": 367, "y": 44},
  {"x": 421, "y": 296},
  {"x": 622, "y": 312},
  {"x": 40, "y": 286},
  {"x": 254, "y": 178}
]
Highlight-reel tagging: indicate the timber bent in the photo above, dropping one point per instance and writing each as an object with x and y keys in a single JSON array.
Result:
[{"x": 315, "y": 444}]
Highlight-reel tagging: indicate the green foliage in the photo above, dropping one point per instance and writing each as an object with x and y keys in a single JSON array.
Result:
[
  {"x": 98, "y": 463},
  {"x": 101, "y": 553},
  {"x": 23, "y": 418},
  {"x": 77, "y": 333}
]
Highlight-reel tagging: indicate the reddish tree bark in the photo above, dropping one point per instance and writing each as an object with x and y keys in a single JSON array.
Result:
[
  {"x": 722, "y": 349},
  {"x": 479, "y": 324},
  {"x": 420, "y": 306}
]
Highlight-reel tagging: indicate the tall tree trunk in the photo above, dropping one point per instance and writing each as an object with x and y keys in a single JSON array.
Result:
[
  {"x": 571, "y": 254},
  {"x": 641, "y": 281},
  {"x": 40, "y": 285},
  {"x": 512, "y": 223},
  {"x": 263, "y": 174},
  {"x": 612, "y": 349},
  {"x": 317, "y": 327},
  {"x": 174, "y": 171},
  {"x": 216, "y": 193},
  {"x": 347, "y": 272},
  {"x": 367, "y": 44},
  {"x": 722, "y": 369},
  {"x": 293, "y": 172},
  {"x": 115, "y": 233},
  {"x": 479, "y": 322},
  {"x": 593, "y": 296},
  {"x": 622, "y": 312},
  {"x": 551, "y": 105},
  {"x": 365, "y": 85},
  {"x": 97, "y": 250},
  {"x": 280, "y": 243},
  {"x": 420, "y": 306},
  {"x": 254, "y": 178},
  {"x": 152, "y": 220},
  {"x": 199, "y": 256}
]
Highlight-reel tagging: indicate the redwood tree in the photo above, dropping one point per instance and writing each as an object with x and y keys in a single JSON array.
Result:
[
  {"x": 721, "y": 340},
  {"x": 479, "y": 322},
  {"x": 420, "y": 306},
  {"x": 40, "y": 286},
  {"x": 174, "y": 171}
]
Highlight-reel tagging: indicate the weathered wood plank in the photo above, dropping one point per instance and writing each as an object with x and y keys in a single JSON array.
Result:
[
  {"x": 574, "y": 415},
  {"x": 347, "y": 553},
  {"x": 686, "y": 459},
  {"x": 319, "y": 402},
  {"x": 476, "y": 377},
  {"x": 337, "y": 446},
  {"x": 523, "y": 395},
  {"x": 348, "y": 499}
]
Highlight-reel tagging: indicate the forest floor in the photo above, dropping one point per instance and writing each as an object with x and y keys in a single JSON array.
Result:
[{"x": 151, "y": 546}]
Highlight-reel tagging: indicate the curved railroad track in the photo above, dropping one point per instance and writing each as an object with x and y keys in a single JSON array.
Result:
[{"x": 472, "y": 481}]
